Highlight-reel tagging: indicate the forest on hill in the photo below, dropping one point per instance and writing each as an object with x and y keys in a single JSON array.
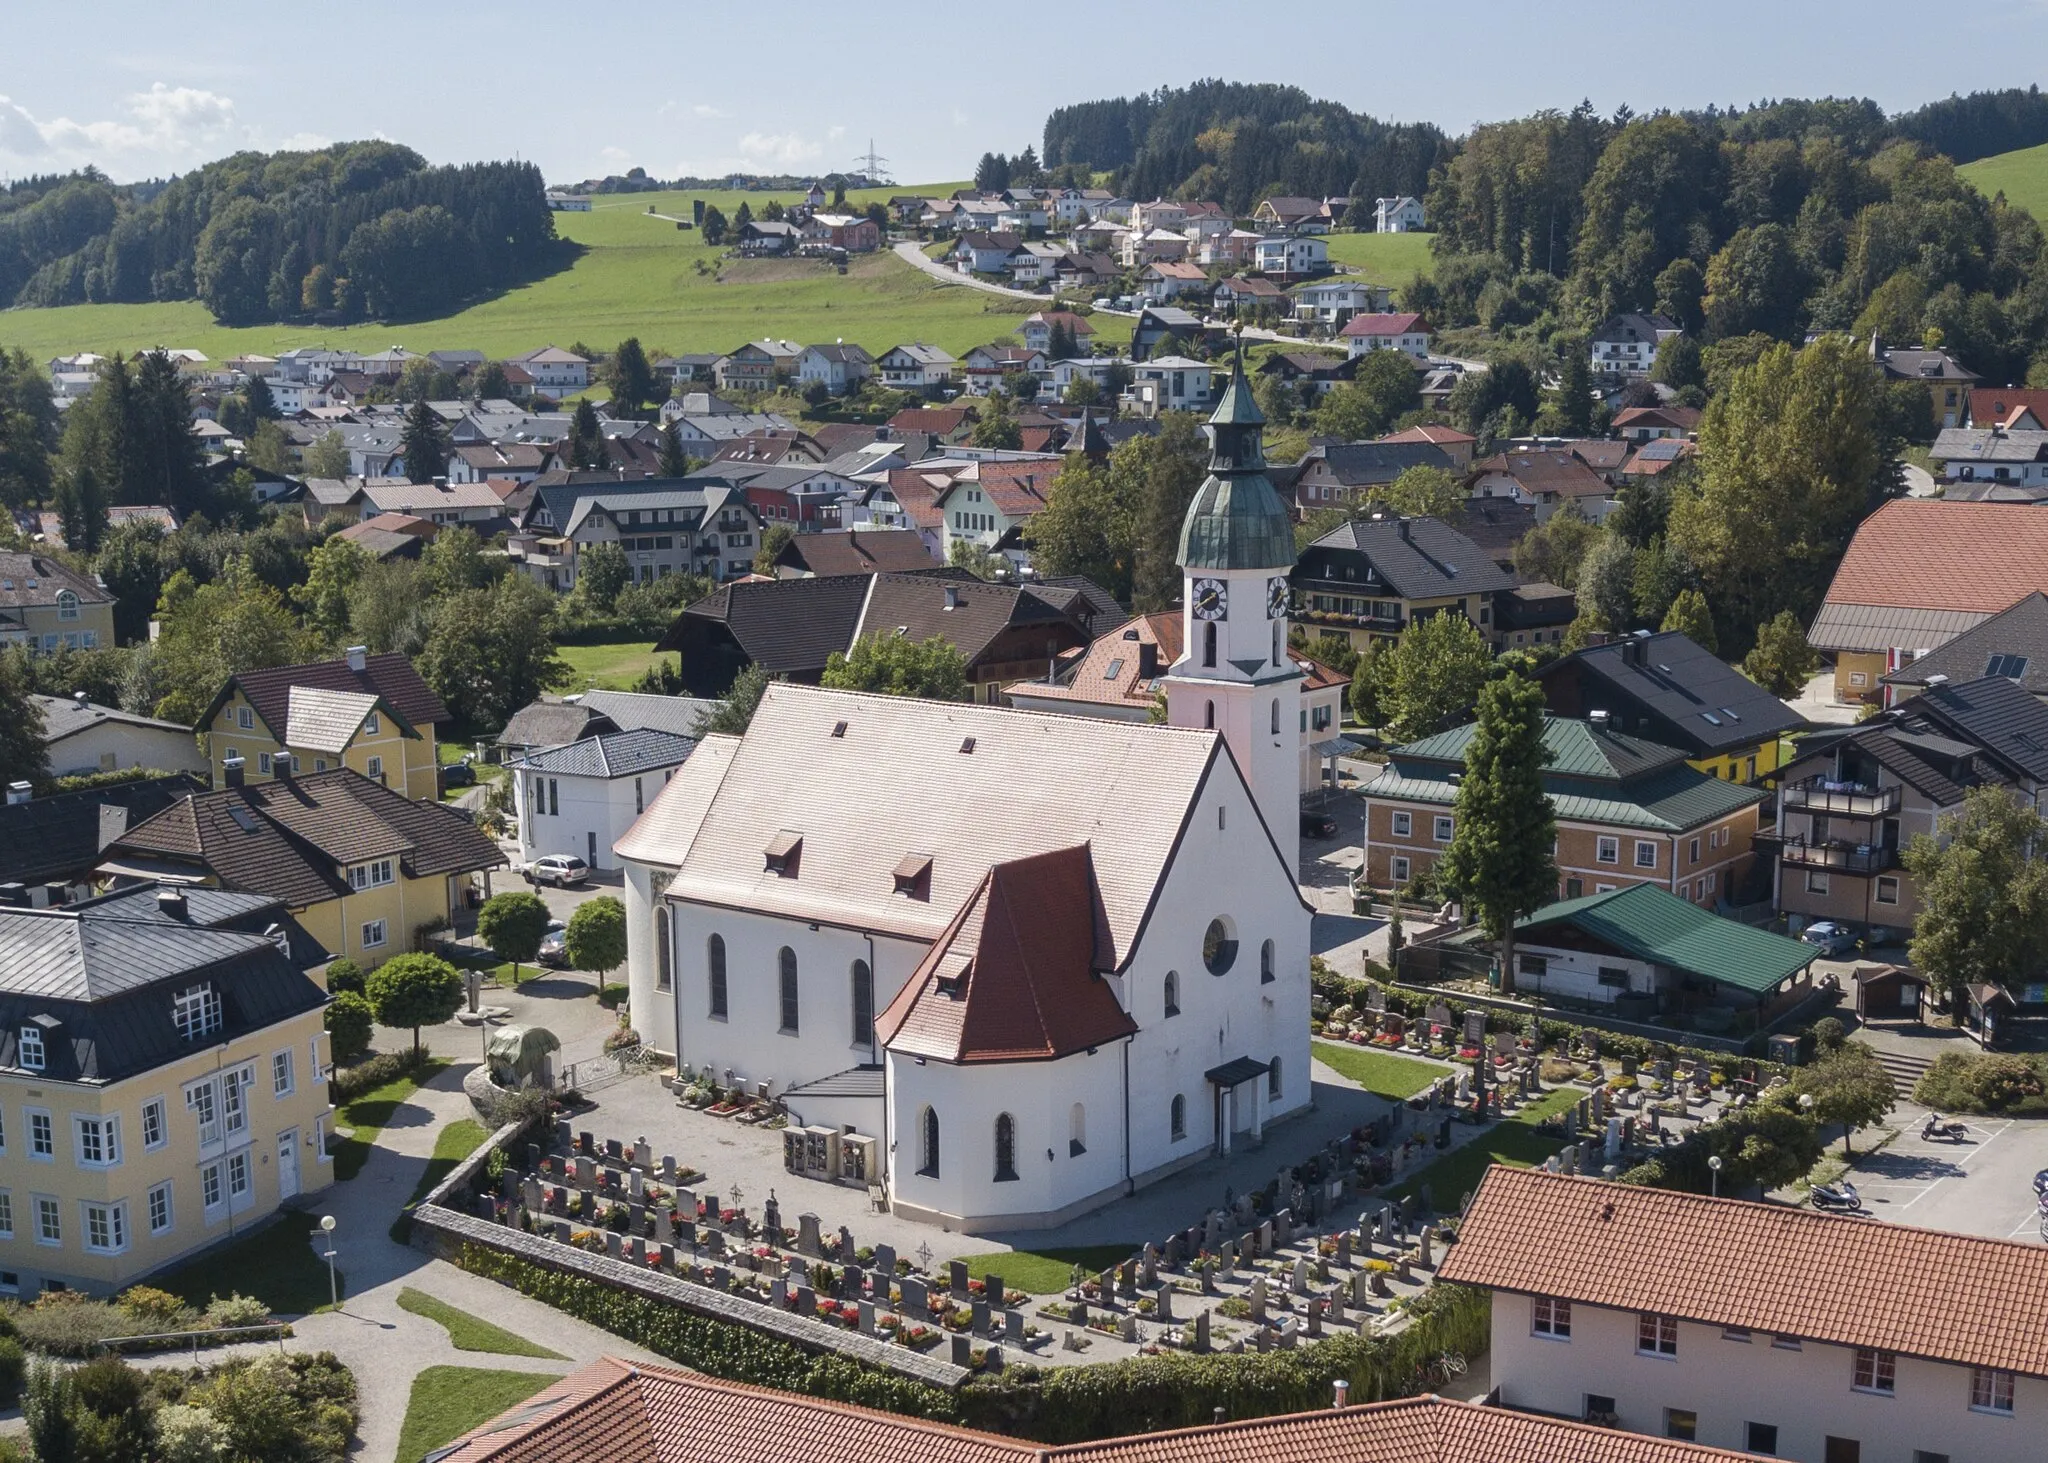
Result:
[{"x": 360, "y": 230}]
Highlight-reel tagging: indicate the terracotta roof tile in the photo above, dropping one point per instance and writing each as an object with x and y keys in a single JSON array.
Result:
[
  {"x": 1926, "y": 1293},
  {"x": 1925, "y": 554}
]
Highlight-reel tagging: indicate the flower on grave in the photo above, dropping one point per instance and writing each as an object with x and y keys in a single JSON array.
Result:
[
  {"x": 654, "y": 1260},
  {"x": 977, "y": 1287}
]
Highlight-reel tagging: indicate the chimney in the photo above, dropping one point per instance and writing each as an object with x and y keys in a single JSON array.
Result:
[
  {"x": 14, "y": 896},
  {"x": 358, "y": 658},
  {"x": 1599, "y": 720},
  {"x": 171, "y": 903},
  {"x": 81, "y": 698},
  {"x": 18, "y": 792},
  {"x": 1342, "y": 1399},
  {"x": 1632, "y": 652},
  {"x": 1401, "y": 526},
  {"x": 231, "y": 771},
  {"x": 281, "y": 766},
  {"x": 952, "y": 596}
]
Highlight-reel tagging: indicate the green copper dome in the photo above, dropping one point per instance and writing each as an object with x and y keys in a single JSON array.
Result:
[{"x": 1237, "y": 520}]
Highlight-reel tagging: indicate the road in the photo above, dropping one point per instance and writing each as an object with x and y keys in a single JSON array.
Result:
[{"x": 915, "y": 257}]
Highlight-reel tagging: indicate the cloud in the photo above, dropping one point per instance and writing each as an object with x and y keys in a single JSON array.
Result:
[
  {"x": 705, "y": 109},
  {"x": 613, "y": 154},
  {"x": 779, "y": 147},
  {"x": 164, "y": 128}
]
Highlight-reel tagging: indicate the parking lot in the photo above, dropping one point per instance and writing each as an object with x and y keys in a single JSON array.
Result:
[{"x": 1981, "y": 1184}]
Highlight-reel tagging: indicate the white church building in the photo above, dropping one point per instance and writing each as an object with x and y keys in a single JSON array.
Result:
[{"x": 1043, "y": 960}]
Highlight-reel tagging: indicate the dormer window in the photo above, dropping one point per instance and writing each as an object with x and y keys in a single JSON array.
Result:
[
  {"x": 783, "y": 854},
  {"x": 371, "y": 725},
  {"x": 32, "y": 1055},
  {"x": 373, "y": 875},
  {"x": 67, "y": 605},
  {"x": 197, "y": 1012},
  {"x": 913, "y": 876}
]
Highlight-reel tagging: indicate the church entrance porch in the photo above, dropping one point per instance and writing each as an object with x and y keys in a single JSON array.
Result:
[{"x": 1236, "y": 1109}]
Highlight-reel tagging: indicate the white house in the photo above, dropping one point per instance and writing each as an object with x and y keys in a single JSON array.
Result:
[
  {"x": 1756, "y": 1327},
  {"x": 840, "y": 367},
  {"x": 581, "y": 798},
  {"x": 1625, "y": 346},
  {"x": 901, "y": 916},
  {"x": 915, "y": 367},
  {"x": 1035, "y": 262},
  {"x": 1334, "y": 301},
  {"x": 82, "y": 736},
  {"x": 1397, "y": 216},
  {"x": 1292, "y": 254},
  {"x": 1178, "y": 383},
  {"x": 1401, "y": 332},
  {"x": 554, "y": 370}
]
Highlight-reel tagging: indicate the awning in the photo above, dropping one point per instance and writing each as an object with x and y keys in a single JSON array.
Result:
[
  {"x": 1240, "y": 1069},
  {"x": 1337, "y": 747}
]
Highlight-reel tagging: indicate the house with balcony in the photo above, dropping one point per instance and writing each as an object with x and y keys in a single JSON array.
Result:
[
  {"x": 1403, "y": 331},
  {"x": 1291, "y": 256},
  {"x": 1625, "y": 346},
  {"x": 1853, "y": 797},
  {"x": 1762, "y": 1328},
  {"x": 1368, "y": 579},
  {"x": 1338, "y": 473},
  {"x": 2013, "y": 643},
  {"x": 1628, "y": 812}
]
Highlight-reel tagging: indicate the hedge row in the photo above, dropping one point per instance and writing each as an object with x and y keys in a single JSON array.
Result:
[{"x": 1050, "y": 1405}]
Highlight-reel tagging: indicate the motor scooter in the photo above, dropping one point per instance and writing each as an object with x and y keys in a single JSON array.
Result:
[
  {"x": 1840, "y": 1198},
  {"x": 1936, "y": 1126}
]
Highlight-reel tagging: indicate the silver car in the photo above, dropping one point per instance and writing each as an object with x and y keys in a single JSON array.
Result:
[{"x": 559, "y": 869}]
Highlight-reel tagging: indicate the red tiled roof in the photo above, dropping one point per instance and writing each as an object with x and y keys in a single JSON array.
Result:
[
  {"x": 1441, "y": 436},
  {"x": 854, "y": 551},
  {"x": 1401, "y": 324},
  {"x": 940, "y": 421},
  {"x": 1018, "y": 489},
  {"x": 616, "y": 1412},
  {"x": 1926, "y": 554},
  {"x": 1769, "y": 1267},
  {"x": 1564, "y": 473},
  {"x": 1993, "y": 406},
  {"x": 1684, "y": 418},
  {"x": 389, "y": 676}
]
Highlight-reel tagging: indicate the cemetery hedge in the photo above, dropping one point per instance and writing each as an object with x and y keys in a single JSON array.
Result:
[{"x": 1051, "y": 1405}]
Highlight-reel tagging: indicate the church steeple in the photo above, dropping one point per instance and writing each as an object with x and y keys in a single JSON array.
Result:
[{"x": 1237, "y": 520}]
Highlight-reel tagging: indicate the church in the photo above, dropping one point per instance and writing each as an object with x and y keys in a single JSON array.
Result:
[{"x": 1041, "y": 960}]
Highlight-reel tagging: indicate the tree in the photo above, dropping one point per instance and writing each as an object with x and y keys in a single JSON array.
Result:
[
  {"x": 602, "y": 571},
  {"x": 327, "y": 458},
  {"x": 586, "y": 438},
  {"x": 1385, "y": 388},
  {"x": 1606, "y": 583},
  {"x": 1084, "y": 529},
  {"x": 992, "y": 173},
  {"x": 332, "y": 573},
  {"x": 1433, "y": 675},
  {"x": 977, "y": 559},
  {"x": 51, "y": 1413},
  {"x": 997, "y": 428},
  {"x": 1422, "y": 491},
  {"x": 491, "y": 651},
  {"x": 1690, "y": 617},
  {"x": 81, "y": 509},
  {"x": 1756, "y": 283},
  {"x": 1366, "y": 692},
  {"x": 1500, "y": 861},
  {"x": 1551, "y": 552},
  {"x": 1681, "y": 293},
  {"x": 629, "y": 376},
  {"x": 1569, "y": 411},
  {"x": 1983, "y": 894},
  {"x": 262, "y": 405},
  {"x": 742, "y": 216},
  {"x": 675, "y": 462},
  {"x": 28, "y": 430},
  {"x": 1781, "y": 661},
  {"x": 596, "y": 938},
  {"x": 490, "y": 383},
  {"x": 348, "y": 1020},
  {"x": 895, "y": 665},
  {"x": 774, "y": 539},
  {"x": 23, "y": 757},
  {"x": 1848, "y": 1086},
  {"x": 209, "y": 632},
  {"x": 424, "y": 441},
  {"x": 713, "y": 226},
  {"x": 1157, "y": 478},
  {"x": 1679, "y": 363},
  {"x": 734, "y": 712},
  {"x": 416, "y": 991},
  {"x": 455, "y": 561},
  {"x": 512, "y": 925}
]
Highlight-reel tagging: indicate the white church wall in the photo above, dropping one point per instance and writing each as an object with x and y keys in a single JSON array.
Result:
[{"x": 652, "y": 1006}]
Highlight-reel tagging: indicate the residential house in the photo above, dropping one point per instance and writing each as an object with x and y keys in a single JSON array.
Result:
[
  {"x": 1628, "y": 811},
  {"x": 1641, "y": 424},
  {"x": 1948, "y": 381},
  {"x": 1163, "y": 282},
  {"x": 839, "y": 368},
  {"x": 1655, "y": 456},
  {"x": 1348, "y": 472},
  {"x": 804, "y": 496},
  {"x": 1402, "y": 332},
  {"x": 1368, "y": 579},
  {"x": 1455, "y": 445},
  {"x": 1296, "y": 215},
  {"x": 1023, "y": 215},
  {"x": 1666, "y": 688},
  {"x": 1229, "y": 248},
  {"x": 80, "y": 736},
  {"x": 850, "y": 551},
  {"x": 1854, "y": 797},
  {"x": 1309, "y": 371},
  {"x": 979, "y": 251},
  {"x": 915, "y": 367},
  {"x": 774, "y": 447},
  {"x": 162, "y": 1069},
  {"x": 581, "y": 797},
  {"x": 1397, "y": 216},
  {"x": 1038, "y": 327},
  {"x": 555, "y": 371},
  {"x": 1087, "y": 272},
  {"x": 50, "y": 846},
  {"x": 1291, "y": 256},
  {"x": 758, "y": 365},
  {"x": 521, "y": 462},
  {"x": 855, "y": 233},
  {"x": 1160, "y": 214},
  {"x": 1158, "y": 324},
  {"x": 1251, "y": 295},
  {"x": 905, "y": 499},
  {"x": 1532, "y": 613},
  {"x": 1169, "y": 383},
  {"x": 983, "y": 368},
  {"x": 1544, "y": 478},
  {"x": 1698, "y": 1340},
  {"x": 665, "y": 526},
  {"x": 684, "y": 369},
  {"x": 2012, "y": 643},
  {"x": 2009, "y": 407},
  {"x": 370, "y": 713},
  {"x": 1156, "y": 246},
  {"x": 1333, "y": 302},
  {"x": 45, "y": 604},
  {"x": 988, "y": 503},
  {"x": 541, "y": 724},
  {"x": 1990, "y": 464},
  {"x": 474, "y": 503},
  {"x": 1919, "y": 572},
  {"x": 947, "y": 424},
  {"x": 1625, "y": 346},
  {"x": 634, "y": 710},
  {"x": 1036, "y": 263},
  {"x": 363, "y": 869},
  {"x": 764, "y": 238}
]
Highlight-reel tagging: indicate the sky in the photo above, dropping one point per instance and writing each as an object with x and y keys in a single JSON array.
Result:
[{"x": 147, "y": 90}]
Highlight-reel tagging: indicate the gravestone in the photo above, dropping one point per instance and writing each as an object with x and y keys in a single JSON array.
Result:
[
  {"x": 1288, "y": 1334},
  {"x": 771, "y": 1220},
  {"x": 1402, "y": 1272},
  {"x": 956, "y": 1276},
  {"x": 1105, "y": 1289},
  {"x": 1333, "y": 1305},
  {"x": 1361, "y": 1286},
  {"x": 963, "y": 1351},
  {"x": 1127, "y": 1278},
  {"x": 867, "y": 1318},
  {"x": 1343, "y": 1249},
  {"x": 668, "y": 1258},
  {"x": 613, "y": 1150},
  {"x": 979, "y": 1323},
  {"x": 778, "y": 1293},
  {"x": 1378, "y": 1284},
  {"x": 586, "y": 1171},
  {"x": 1475, "y": 1028},
  {"x": 562, "y": 1231},
  {"x": 1568, "y": 1160},
  {"x": 614, "y": 1244},
  {"x": 668, "y": 1169},
  {"x": 808, "y": 1240},
  {"x": 1172, "y": 1255},
  {"x": 846, "y": 1245},
  {"x": 1148, "y": 1267},
  {"x": 992, "y": 1359},
  {"x": 586, "y": 1142},
  {"x": 885, "y": 1259},
  {"x": 1078, "y": 1313},
  {"x": 1208, "y": 1278},
  {"x": 853, "y": 1283},
  {"x": 1426, "y": 1254},
  {"x": 1376, "y": 1000},
  {"x": 1256, "y": 1298},
  {"x": 721, "y": 1278},
  {"x": 643, "y": 1153},
  {"x": 1162, "y": 1303},
  {"x": 1069, "y": 1341},
  {"x": 714, "y": 1242},
  {"x": 636, "y": 1219},
  {"x": 1262, "y": 1340},
  {"x": 1283, "y": 1227},
  {"x": 530, "y": 1195},
  {"x": 915, "y": 1299},
  {"x": 1315, "y": 1316},
  {"x": 1302, "y": 1273},
  {"x": 1201, "y": 1337},
  {"x": 1013, "y": 1326},
  {"x": 807, "y": 1302},
  {"x": 992, "y": 1287},
  {"x": 636, "y": 1182}
]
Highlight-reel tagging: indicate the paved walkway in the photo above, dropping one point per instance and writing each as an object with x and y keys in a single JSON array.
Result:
[{"x": 914, "y": 256}]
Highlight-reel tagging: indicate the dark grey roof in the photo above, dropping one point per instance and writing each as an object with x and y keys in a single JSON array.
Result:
[
  {"x": 1634, "y": 327},
  {"x": 54, "y": 838},
  {"x": 552, "y": 723},
  {"x": 782, "y": 625},
  {"x": 632, "y": 710},
  {"x": 559, "y": 499},
  {"x": 2013, "y": 643},
  {"x": 1671, "y": 690},
  {"x": 1098, "y": 608},
  {"x": 1418, "y": 558},
  {"x": 1365, "y": 464},
  {"x": 615, "y": 754},
  {"x": 1994, "y": 714},
  {"x": 65, "y": 716}
]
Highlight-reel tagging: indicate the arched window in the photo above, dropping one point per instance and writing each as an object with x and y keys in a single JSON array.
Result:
[
  {"x": 1273, "y": 1080},
  {"x": 1006, "y": 1149},
  {"x": 863, "y": 1004},
  {"x": 1219, "y": 946},
  {"x": 1179, "y": 1115},
  {"x": 1173, "y": 993},
  {"x": 714, "y": 955},
  {"x": 928, "y": 1156},
  {"x": 663, "y": 972},
  {"x": 787, "y": 961},
  {"x": 1208, "y": 642},
  {"x": 1209, "y": 717},
  {"x": 1266, "y": 973},
  {"x": 1279, "y": 639},
  {"x": 1276, "y": 716},
  {"x": 1077, "y": 1130}
]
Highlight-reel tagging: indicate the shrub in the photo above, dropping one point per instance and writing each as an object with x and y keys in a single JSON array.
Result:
[
  {"x": 282, "y": 1409},
  {"x": 236, "y": 1310},
  {"x": 1829, "y": 1034},
  {"x": 348, "y": 1019},
  {"x": 189, "y": 1435},
  {"x": 1988, "y": 1082},
  {"x": 146, "y": 1303},
  {"x": 343, "y": 974},
  {"x": 13, "y": 1370},
  {"x": 346, "y": 1086},
  {"x": 623, "y": 1038},
  {"x": 70, "y": 1323}
]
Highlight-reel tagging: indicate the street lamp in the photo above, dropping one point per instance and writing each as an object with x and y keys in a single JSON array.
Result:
[
  {"x": 1714, "y": 1164},
  {"x": 333, "y": 1285}
]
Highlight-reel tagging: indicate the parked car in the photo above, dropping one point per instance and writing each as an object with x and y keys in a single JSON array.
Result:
[
  {"x": 1317, "y": 825},
  {"x": 559, "y": 869},
  {"x": 554, "y": 945},
  {"x": 457, "y": 774},
  {"x": 1832, "y": 938}
]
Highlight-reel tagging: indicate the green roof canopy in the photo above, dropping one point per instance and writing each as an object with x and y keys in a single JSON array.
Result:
[
  {"x": 1656, "y": 925},
  {"x": 1237, "y": 520}
]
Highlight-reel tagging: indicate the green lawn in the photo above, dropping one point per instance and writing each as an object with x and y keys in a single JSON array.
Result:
[
  {"x": 613, "y": 667},
  {"x": 1045, "y": 1272},
  {"x": 469, "y": 1333},
  {"x": 1392, "y": 259},
  {"x": 452, "y": 1144},
  {"x": 447, "y": 1401},
  {"x": 1515, "y": 1143},
  {"x": 2022, "y": 176},
  {"x": 1377, "y": 1071},
  {"x": 368, "y": 1114},
  {"x": 278, "y": 1265}
]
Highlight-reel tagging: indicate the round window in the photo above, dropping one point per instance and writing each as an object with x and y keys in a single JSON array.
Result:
[{"x": 1219, "y": 947}]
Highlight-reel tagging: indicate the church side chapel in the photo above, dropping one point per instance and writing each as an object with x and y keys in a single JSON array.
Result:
[{"x": 1041, "y": 960}]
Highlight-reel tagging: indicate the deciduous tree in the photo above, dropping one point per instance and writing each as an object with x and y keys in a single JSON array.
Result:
[
  {"x": 596, "y": 938},
  {"x": 735, "y": 710},
  {"x": 1084, "y": 529},
  {"x": 416, "y": 990},
  {"x": 1848, "y": 1086},
  {"x": 1433, "y": 675},
  {"x": 512, "y": 925},
  {"x": 1983, "y": 894},
  {"x": 895, "y": 665}
]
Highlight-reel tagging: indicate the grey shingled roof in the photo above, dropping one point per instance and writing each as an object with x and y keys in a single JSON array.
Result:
[
  {"x": 65, "y": 716},
  {"x": 553, "y": 723},
  {"x": 1431, "y": 560},
  {"x": 2021, "y": 632},
  {"x": 615, "y": 754},
  {"x": 1671, "y": 690},
  {"x": 632, "y": 710}
]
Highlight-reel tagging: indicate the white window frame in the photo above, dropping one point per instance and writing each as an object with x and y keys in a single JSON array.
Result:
[
  {"x": 6, "y": 1214},
  {"x": 245, "y": 718},
  {"x": 1404, "y": 825},
  {"x": 202, "y": 1100},
  {"x": 112, "y": 1218},
  {"x": 234, "y": 1097},
  {"x": 1656, "y": 1336},
  {"x": 1441, "y": 827},
  {"x": 1399, "y": 869},
  {"x": 1874, "y": 1372},
  {"x": 49, "y": 1217},
  {"x": 281, "y": 1074},
  {"x": 374, "y": 769},
  {"x": 42, "y": 1147},
  {"x": 161, "y": 1195},
  {"x": 1882, "y": 881},
  {"x": 241, "y": 1180},
  {"x": 155, "y": 1117},
  {"x": 371, "y": 725},
  {"x": 1550, "y": 1318},
  {"x": 1991, "y": 1391},
  {"x": 1649, "y": 846},
  {"x": 373, "y": 875},
  {"x": 374, "y": 933},
  {"x": 1607, "y": 850},
  {"x": 212, "y": 1181},
  {"x": 196, "y": 1011},
  {"x": 30, "y": 1053},
  {"x": 96, "y": 1141}
]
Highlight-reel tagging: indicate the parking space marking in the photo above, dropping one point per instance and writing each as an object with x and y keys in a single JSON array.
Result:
[{"x": 1960, "y": 1162}]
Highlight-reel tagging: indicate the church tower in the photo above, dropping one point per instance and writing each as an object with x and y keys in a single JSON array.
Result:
[{"x": 1235, "y": 677}]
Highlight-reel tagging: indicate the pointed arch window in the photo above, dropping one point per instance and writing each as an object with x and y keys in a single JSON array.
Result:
[
  {"x": 1177, "y": 1115},
  {"x": 928, "y": 1146},
  {"x": 1173, "y": 993},
  {"x": 1006, "y": 1149},
  {"x": 714, "y": 955}
]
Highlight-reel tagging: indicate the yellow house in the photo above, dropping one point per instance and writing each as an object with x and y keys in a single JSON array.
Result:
[
  {"x": 361, "y": 867},
  {"x": 162, "y": 1081},
  {"x": 44, "y": 605},
  {"x": 371, "y": 713}
]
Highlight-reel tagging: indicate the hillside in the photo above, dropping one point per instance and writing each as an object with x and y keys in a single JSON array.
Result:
[
  {"x": 1390, "y": 259},
  {"x": 2022, "y": 176},
  {"x": 636, "y": 276}
]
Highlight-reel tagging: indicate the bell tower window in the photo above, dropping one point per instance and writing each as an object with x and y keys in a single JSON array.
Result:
[{"x": 1209, "y": 644}]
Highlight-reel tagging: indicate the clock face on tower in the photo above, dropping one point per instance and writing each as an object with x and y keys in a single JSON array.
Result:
[
  {"x": 1276, "y": 597},
  {"x": 1211, "y": 599}
]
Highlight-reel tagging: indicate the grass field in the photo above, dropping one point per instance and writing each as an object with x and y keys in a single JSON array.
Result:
[
  {"x": 612, "y": 667},
  {"x": 452, "y": 1144},
  {"x": 1390, "y": 259},
  {"x": 447, "y": 1401},
  {"x": 2022, "y": 176},
  {"x": 637, "y": 276},
  {"x": 368, "y": 1114},
  {"x": 1515, "y": 1143},
  {"x": 1377, "y": 1071},
  {"x": 278, "y": 1265},
  {"x": 1044, "y": 1272},
  {"x": 471, "y": 1333}
]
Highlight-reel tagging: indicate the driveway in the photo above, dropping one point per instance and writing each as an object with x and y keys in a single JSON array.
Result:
[{"x": 915, "y": 257}]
